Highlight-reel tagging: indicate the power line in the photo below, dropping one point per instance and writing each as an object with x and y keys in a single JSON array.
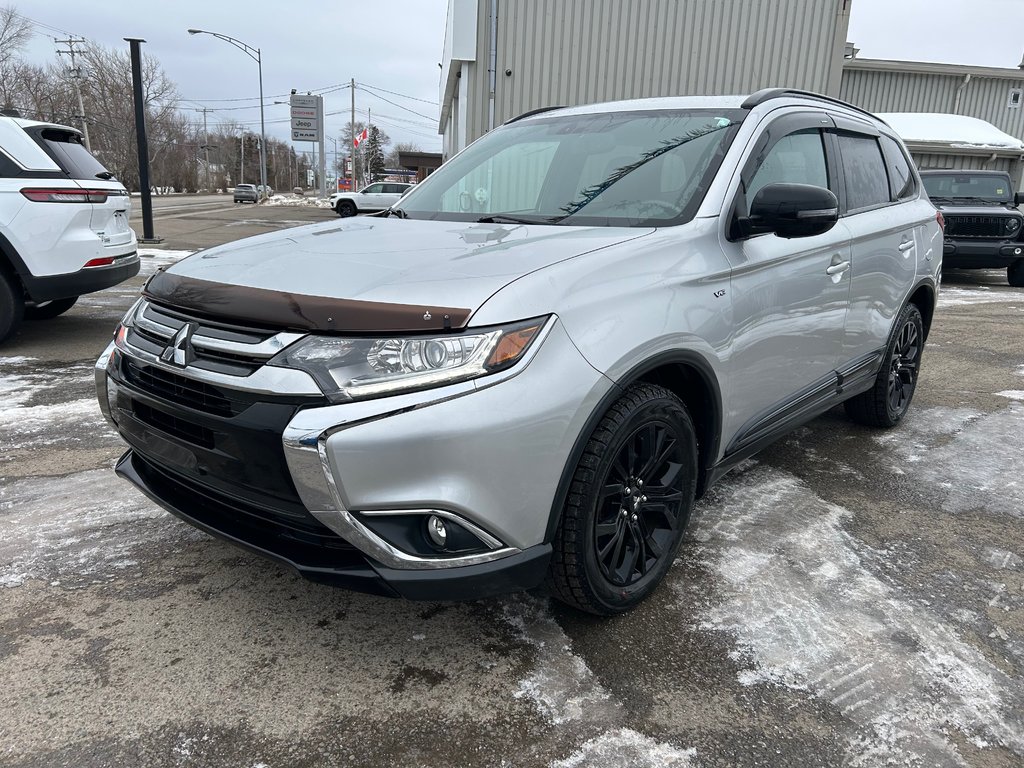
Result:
[
  {"x": 321, "y": 91},
  {"x": 49, "y": 27},
  {"x": 395, "y": 93},
  {"x": 395, "y": 104}
]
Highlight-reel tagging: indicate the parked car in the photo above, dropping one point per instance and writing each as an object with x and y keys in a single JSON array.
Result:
[
  {"x": 63, "y": 223},
  {"x": 267, "y": 191},
  {"x": 246, "y": 193},
  {"x": 375, "y": 197},
  {"x": 984, "y": 229},
  {"x": 526, "y": 372}
]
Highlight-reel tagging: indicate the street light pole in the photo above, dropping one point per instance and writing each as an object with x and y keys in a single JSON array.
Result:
[{"x": 254, "y": 54}]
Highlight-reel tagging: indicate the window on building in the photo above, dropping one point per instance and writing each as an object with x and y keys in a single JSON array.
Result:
[
  {"x": 1016, "y": 94},
  {"x": 867, "y": 183}
]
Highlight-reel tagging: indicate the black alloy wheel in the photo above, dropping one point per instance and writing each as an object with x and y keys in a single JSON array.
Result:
[
  {"x": 639, "y": 508},
  {"x": 903, "y": 362},
  {"x": 628, "y": 503},
  {"x": 887, "y": 402},
  {"x": 345, "y": 208}
]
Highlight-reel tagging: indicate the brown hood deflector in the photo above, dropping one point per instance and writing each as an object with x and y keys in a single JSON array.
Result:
[{"x": 268, "y": 308}]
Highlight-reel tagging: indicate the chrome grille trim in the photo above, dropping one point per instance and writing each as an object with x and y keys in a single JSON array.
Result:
[{"x": 255, "y": 352}]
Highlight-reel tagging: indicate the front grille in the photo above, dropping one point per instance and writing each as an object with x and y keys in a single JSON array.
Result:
[
  {"x": 183, "y": 390},
  {"x": 172, "y": 425},
  {"x": 977, "y": 226}
]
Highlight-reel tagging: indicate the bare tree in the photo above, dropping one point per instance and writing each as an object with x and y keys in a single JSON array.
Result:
[{"x": 15, "y": 32}]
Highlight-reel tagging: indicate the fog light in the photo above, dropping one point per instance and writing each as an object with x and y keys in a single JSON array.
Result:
[{"x": 437, "y": 531}]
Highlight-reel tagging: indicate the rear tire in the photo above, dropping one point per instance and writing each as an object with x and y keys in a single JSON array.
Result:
[
  {"x": 887, "y": 402},
  {"x": 345, "y": 208},
  {"x": 630, "y": 499},
  {"x": 1015, "y": 274},
  {"x": 49, "y": 309},
  {"x": 12, "y": 306}
]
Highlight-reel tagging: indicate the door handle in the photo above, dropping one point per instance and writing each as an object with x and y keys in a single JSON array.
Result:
[
  {"x": 906, "y": 245},
  {"x": 837, "y": 269}
]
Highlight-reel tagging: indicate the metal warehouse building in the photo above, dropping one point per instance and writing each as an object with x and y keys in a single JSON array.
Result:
[
  {"x": 992, "y": 94},
  {"x": 506, "y": 57}
]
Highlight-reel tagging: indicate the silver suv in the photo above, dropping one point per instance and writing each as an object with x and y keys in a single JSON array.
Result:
[{"x": 527, "y": 373}]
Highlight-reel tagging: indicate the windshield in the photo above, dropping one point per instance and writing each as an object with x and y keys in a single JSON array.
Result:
[
  {"x": 646, "y": 168},
  {"x": 67, "y": 151},
  {"x": 966, "y": 186}
]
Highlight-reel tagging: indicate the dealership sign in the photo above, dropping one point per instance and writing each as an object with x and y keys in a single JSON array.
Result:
[{"x": 307, "y": 117}]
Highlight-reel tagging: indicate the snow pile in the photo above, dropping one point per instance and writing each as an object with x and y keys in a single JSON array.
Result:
[
  {"x": 625, "y": 748},
  {"x": 955, "y": 130},
  {"x": 295, "y": 201}
]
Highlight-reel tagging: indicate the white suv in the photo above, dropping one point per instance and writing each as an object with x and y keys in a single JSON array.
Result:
[
  {"x": 376, "y": 197},
  {"x": 63, "y": 223}
]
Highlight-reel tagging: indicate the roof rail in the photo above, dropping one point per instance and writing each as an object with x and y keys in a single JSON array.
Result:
[
  {"x": 533, "y": 112},
  {"x": 766, "y": 94}
]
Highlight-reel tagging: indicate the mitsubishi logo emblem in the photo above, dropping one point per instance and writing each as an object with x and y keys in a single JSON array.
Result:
[{"x": 179, "y": 351}]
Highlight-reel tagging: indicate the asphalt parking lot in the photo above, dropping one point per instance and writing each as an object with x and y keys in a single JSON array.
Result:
[{"x": 848, "y": 598}]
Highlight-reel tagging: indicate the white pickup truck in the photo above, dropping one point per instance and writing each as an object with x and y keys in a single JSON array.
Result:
[{"x": 375, "y": 197}]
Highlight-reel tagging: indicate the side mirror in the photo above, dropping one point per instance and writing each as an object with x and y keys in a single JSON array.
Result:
[
  {"x": 792, "y": 210},
  {"x": 1018, "y": 199}
]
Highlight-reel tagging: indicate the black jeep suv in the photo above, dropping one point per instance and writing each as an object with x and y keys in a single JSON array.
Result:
[{"x": 984, "y": 229}]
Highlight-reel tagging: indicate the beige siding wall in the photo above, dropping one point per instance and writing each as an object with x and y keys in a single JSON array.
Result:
[{"x": 581, "y": 51}]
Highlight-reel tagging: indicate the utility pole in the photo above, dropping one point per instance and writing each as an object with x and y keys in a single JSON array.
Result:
[
  {"x": 140, "y": 139},
  {"x": 352, "y": 143},
  {"x": 76, "y": 75},
  {"x": 366, "y": 163},
  {"x": 241, "y": 152},
  {"x": 206, "y": 146}
]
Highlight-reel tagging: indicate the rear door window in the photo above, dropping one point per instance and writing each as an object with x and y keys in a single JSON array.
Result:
[
  {"x": 69, "y": 153},
  {"x": 901, "y": 178},
  {"x": 867, "y": 182}
]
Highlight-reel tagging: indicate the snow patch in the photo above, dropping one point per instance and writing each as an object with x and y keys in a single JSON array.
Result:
[
  {"x": 808, "y": 613},
  {"x": 625, "y": 748},
  {"x": 1011, "y": 394},
  {"x": 85, "y": 526},
  {"x": 292, "y": 200},
  {"x": 1000, "y": 558},
  {"x": 562, "y": 686},
  {"x": 972, "y": 460},
  {"x": 956, "y": 130},
  {"x": 962, "y": 297},
  {"x": 154, "y": 259}
]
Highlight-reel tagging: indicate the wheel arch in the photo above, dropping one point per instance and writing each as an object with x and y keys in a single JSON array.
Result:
[
  {"x": 692, "y": 379},
  {"x": 923, "y": 297}
]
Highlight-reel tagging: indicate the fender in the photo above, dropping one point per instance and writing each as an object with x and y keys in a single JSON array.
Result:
[{"x": 708, "y": 452}]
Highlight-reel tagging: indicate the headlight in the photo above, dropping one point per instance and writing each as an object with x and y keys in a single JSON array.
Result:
[
  {"x": 126, "y": 322},
  {"x": 354, "y": 368},
  {"x": 1012, "y": 225}
]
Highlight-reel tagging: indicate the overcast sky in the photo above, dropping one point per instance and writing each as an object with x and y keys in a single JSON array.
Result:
[{"x": 395, "y": 45}]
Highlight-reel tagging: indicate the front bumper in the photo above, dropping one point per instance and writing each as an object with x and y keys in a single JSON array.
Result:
[
  {"x": 488, "y": 453},
  {"x": 980, "y": 254}
]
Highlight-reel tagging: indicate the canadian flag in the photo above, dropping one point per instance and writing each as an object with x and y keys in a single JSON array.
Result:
[{"x": 360, "y": 138}]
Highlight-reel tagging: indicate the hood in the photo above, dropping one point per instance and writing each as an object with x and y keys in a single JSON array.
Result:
[
  {"x": 370, "y": 274},
  {"x": 967, "y": 209}
]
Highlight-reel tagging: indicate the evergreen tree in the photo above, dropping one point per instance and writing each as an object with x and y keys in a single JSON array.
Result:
[{"x": 375, "y": 155}]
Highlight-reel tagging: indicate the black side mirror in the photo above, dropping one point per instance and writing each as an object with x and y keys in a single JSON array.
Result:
[
  {"x": 792, "y": 210},
  {"x": 1018, "y": 198}
]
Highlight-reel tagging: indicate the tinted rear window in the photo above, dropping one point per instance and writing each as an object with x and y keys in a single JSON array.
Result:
[
  {"x": 68, "y": 152},
  {"x": 867, "y": 183}
]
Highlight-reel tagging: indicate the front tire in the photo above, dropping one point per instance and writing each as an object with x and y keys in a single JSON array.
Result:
[
  {"x": 49, "y": 309},
  {"x": 1015, "y": 274},
  {"x": 630, "y": 499},
  {"x": 887, "y": 402},
  {"x": 345, "y": 208},
  {"x": 12, "y": 306}
]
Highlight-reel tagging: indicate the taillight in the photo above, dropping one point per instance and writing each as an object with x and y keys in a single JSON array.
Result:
[
  {"x": 103, "y": 261},
  {"x": 941, "y": 220},
  {"x": 65, "y": 195}
]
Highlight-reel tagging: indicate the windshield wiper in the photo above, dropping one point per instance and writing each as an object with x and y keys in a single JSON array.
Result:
[
  {"x": 395, "y": 212},
  {"x": 504, "y": 218}
]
